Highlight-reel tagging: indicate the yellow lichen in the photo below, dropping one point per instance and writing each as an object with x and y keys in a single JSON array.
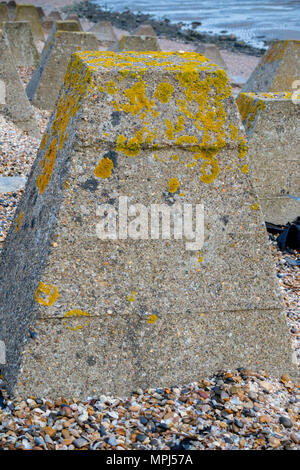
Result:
[
  {"x": 50, "y": 292},
  {"x": 164, "y": 92},
  {"x": 173, "y": 185},
  {"x": 19, "y": 221},
  {"x": 104, "y": 168}
]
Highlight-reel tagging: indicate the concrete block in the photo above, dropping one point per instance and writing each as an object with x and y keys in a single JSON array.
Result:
[
  {"x": 14, "y": 103},
  {"x": 272, "y": 123},
  {"x": 277, "y": 70},
  {"x": 43, "y": 88},
  {"x": 111, "y": 315},
  {"x": 21, "y": 43}
]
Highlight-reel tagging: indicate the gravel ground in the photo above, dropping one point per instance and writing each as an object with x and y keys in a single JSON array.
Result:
[{"x": 230, "y": 410}]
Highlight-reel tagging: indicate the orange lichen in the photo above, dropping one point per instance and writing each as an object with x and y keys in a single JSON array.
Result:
[
  {"x": 173, "y": 185},
  {"x": 164, "y": 92},
  {"x": 47, "y": 165},
  {"x": 50, "y": 292},
  {"x": 76, "y": 313},
  {"x": 19, "y": 221},
  {"x": 210, "y": 170},
  {"x": 104, "y": 168}
]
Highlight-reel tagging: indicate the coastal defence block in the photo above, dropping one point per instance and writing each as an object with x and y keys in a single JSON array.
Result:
[
  {"x": 21, "y": 43},
  {"x": 277, "y": 70},
  {"x": 144, "y": 30},
  {"x": 43, "y": 88},
  {"x": 212, "y": 53},
  {"x": 64, "y": 25},
  {"x": 30, "y": 13},
  {"x": 132, "y": 308},
  {"x": 14, "y": 103},
  {"x": 271, "y": 121},
  {"x": 138, "y": 43},
  {"x": 105, "y": 33},
  {"x": 3, "y": 14}
]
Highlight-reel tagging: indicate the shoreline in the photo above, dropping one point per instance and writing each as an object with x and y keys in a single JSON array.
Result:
[
  {"x": 129, "y": 20},
  {"x": 164, "y": 28}
]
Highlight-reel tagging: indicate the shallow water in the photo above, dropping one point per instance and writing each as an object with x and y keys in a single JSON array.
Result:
[{"x": 250, "y": 20}]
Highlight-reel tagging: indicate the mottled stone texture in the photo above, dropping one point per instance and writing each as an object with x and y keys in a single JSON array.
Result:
[
  {"x": 144, "y": 30},
  {"x": 30, "y": 13},
  {"x": 212, "y": 53},
  {"x": 43, "y": 88},
  {"x": 138, "y": 43},
  {"x": 21, "y": 43},
  {"x": 14, "y": 104},
  {"x": 112, "y": 315},
  {"x": 105, "y": 33},
  {"x": 277, "y": 70},
  {"x": 272, "y": 123},
  {"x": 3, "y": 14}
]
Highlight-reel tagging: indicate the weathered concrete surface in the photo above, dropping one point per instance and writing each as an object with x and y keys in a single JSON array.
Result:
[
  {"x": 11, "y": 5},
  {"x": 144, "y": 30},
  {"x": 40, "y": 12},
  {"x": 272, "y": 123},
  {"x": 65, "y": 25},
  {"x": 13, "y": 100},
  {"x": 212, "y": 53},
  {"x": 278, "y": 69},
  {"x": 68, "y": 25},
  {"x": 3, "y": 14},
  {"x": 30, "y": 13},
  {"x": 138, "y": 43},
  {"x": 114, "y": 315},
  {"x": 43, "y": 88},
  {"x": 55, "y": 15},
  {"x": 74, "y": 17},
  {"x": 105, "y": 33},
  {"x": 10, "y": 184},
  {"x": 21, "y": 43}
]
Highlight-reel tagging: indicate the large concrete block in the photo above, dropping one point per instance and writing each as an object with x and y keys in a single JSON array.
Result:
[
  {"x": 30, "y": 13},
  {"x": 212, "y": 53},
  {"x": 43, "y": 88},
  {"x": 272, "y": 123},
  {"x": 105, "y": 33},
  {"x": 14, "y": 103},
  {"x": 144, "y": 30},
  {"x": 138, "y": 43},
  {"x": 3, "y": 14},
  {"x": 21, "y": 43},
  {"x": 111, "y": 315},
  {"x": 277, "y": 70}
]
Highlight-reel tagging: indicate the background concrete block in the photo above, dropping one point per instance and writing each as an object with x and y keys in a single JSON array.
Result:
[
  {"x": 3, "y": 14},
  {"x": 272, "y": 123},
  {"x": 212, "y": 53},
  {"x": 144, "y": 30},
  {"x": 14, "y": 103},
  {"x": 105, "y": 33},
  {"x": 113, "y": 315},
  {"x": 21, "y": 43},
  {"x": 278, "y": 69},
  {"x": 138, "y": 43},
  {"x": 30, "y": 13},
  {"x": 47, "y": 79}
]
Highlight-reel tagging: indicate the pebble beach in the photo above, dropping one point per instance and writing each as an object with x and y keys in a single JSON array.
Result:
[{"x": 230, "y": 410}]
